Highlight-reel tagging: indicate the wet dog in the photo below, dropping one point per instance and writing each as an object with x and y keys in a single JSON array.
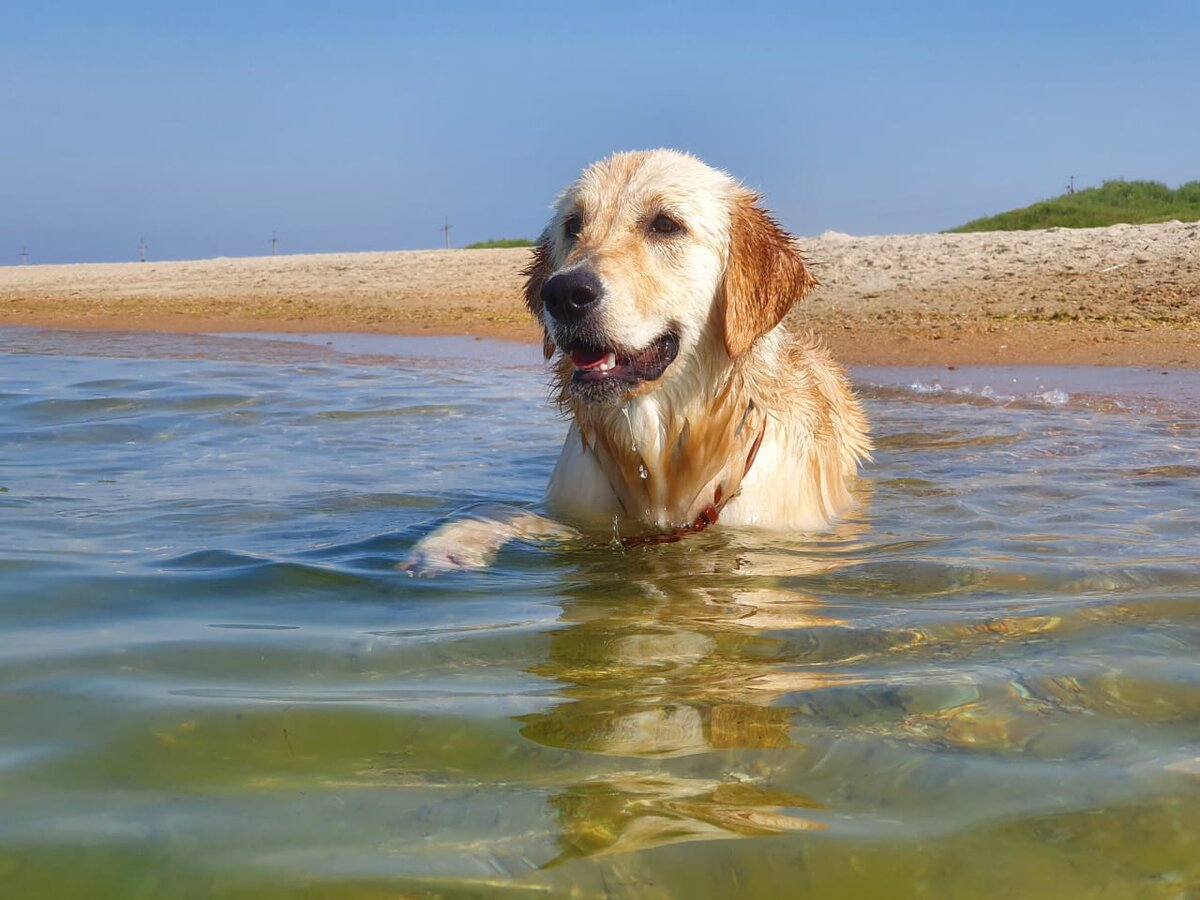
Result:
[{"x": 660, "y": 284}]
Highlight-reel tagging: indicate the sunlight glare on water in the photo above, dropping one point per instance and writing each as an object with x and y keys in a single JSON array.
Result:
[{"x": 984, "y": 682}]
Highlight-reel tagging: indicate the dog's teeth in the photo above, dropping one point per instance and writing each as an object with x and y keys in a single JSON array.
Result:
[{"x": 609, "y": 362}]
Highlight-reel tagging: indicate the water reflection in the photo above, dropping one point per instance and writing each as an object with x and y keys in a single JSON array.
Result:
[{"x": 687, "y": 656}]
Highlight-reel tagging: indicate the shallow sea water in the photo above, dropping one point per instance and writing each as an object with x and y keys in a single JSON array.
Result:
[{"x": 985, "y": 682}]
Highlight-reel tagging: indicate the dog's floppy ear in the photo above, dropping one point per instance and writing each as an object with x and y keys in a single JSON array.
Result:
[
  {"x": 536, "y": 273},
  {"x": 763, "y": 278}
]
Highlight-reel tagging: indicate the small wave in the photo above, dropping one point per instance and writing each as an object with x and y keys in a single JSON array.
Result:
[
  {"x": 1108, "y": 390},
  {"x": 969, "y": 393}
]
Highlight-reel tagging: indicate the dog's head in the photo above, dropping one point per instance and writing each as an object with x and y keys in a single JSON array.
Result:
[{"x": 652, "y": 257}]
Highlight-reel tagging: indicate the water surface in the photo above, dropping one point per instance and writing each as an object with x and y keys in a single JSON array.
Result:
[{"x": 213, "y": 682}]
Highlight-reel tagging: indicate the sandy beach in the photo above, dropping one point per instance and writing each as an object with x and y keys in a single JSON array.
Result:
[{"x": 1123, "y": 295}]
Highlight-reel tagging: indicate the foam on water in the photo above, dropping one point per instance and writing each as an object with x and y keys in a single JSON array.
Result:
[{"x": 1103, "y": 389}]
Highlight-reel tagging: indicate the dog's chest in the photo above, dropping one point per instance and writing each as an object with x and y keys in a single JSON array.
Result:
[{"x": 671, "y": 468}]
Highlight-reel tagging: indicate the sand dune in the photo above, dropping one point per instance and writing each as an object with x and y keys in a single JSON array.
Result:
[{"x": 1124, "y": 294}]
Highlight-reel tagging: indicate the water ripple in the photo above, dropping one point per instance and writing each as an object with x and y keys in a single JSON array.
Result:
[{"x": 214, "y": 676}]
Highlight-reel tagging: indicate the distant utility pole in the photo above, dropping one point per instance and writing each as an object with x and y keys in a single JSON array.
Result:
[
  {"x": 446, "y": 232},
  {"x": 274, "y": 242},
  {"x": 24, "y": 256},
  {"x": 1071, "y": 185},
  {"x": 142, "y": 250}
]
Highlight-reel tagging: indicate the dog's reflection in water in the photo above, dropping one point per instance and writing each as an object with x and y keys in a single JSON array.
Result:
[{"x": 667, "y": 673}]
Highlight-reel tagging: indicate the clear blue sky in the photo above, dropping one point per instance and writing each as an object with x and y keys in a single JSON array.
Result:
[{"x": 359, "y": 125}]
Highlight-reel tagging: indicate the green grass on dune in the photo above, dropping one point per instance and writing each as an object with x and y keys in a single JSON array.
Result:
[
  {"x": 1131, "y": 202},
  {"x": 499, "y": 242}
]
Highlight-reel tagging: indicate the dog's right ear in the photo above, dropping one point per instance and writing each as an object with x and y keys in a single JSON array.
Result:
[{"x": 536, "y": 273}]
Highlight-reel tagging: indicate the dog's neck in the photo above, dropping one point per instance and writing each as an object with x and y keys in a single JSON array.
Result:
[{"x": 676, "y": 455}]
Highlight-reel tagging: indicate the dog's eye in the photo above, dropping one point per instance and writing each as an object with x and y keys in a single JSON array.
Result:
[
  {"x": 572, "y": 226},
  {"x": 664, "y": 224}
]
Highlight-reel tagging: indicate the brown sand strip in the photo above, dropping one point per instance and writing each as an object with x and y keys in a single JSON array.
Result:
[{"x": 1124, "y": 295}]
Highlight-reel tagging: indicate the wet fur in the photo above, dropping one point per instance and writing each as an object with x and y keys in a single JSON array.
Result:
[{"x": 743, "y": 389}]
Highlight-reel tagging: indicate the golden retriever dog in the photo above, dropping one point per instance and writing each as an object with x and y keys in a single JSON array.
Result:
[{"x": 660, "y": 285}]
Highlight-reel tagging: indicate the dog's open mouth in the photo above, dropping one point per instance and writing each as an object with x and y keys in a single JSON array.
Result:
[{"x": 602, "y": 371}]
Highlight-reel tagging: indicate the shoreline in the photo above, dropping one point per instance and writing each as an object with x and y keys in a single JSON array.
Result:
[
  {"x": 862, "y": 345},
  {"x": 1122, "y": 295}
]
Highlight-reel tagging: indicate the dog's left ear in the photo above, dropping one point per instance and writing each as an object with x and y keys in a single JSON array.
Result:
[
  {"x": 763, "y": 278},
  {"x": 536, "y": 273}
]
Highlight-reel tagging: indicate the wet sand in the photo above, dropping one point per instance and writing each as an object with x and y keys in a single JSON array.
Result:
[{"x": 1123, "y": 295}]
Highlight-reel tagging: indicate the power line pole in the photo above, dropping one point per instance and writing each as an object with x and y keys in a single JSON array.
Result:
[
  {"x": 24, "y": 256},
  {"x": 274, "y": 242},
  {"x": 142, "y": 250},
  {"x": 446, "y": 232}
]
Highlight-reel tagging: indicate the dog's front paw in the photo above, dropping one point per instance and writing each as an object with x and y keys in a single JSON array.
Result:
[
  {"x": 473, "y": 542},
  {"x": 455, "y": 546}
]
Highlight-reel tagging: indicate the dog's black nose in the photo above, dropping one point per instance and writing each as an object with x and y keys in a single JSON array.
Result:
[{"x": 568, "y": 295}]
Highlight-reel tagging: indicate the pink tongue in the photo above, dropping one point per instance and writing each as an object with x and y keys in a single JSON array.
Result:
[{"x": 585, "y": 360}]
